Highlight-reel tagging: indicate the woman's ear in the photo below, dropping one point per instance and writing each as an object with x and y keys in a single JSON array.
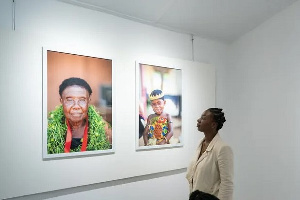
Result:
[
  {"x": 214, "y": 125},
  {"x": 61, "y": 101}
]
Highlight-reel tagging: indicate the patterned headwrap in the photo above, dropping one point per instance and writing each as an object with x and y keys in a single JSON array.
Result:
[{"x": 156, "y": 94}]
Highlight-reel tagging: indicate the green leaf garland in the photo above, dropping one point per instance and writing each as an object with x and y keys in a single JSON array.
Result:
[{"x": 57, "y": 129}]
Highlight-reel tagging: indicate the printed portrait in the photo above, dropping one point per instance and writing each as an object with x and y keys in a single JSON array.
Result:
[
  {"x": 159, "y": 106},
  {"x": 78, "y": 100}
]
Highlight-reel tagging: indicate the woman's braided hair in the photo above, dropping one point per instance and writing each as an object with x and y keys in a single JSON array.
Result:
[{"x": 218, "y": 116}]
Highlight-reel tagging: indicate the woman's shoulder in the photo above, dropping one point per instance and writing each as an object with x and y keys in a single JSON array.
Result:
[{"x": 221, "y": 145}]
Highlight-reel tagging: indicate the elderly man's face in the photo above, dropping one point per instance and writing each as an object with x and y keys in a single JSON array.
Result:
[{"x": 75, "y": 101}]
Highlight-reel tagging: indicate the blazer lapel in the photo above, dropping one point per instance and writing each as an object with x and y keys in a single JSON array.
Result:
[
  {"x": 209, "y": 148},
  {"x": 202, "y": 157}
]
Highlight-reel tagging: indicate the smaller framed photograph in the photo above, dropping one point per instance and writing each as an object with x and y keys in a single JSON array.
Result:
[
  {"x": 77, "y": 104},
  {"x": 158, "y": 106}
]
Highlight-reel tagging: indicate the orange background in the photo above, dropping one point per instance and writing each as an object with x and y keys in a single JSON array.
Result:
[{"x": 96, "y": 71}]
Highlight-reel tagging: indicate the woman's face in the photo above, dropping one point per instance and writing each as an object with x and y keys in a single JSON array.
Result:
[
  {"x": 158, "y": 106},
  {"x": 206, "y": 122},
  {"x": 75, "y": 102}
]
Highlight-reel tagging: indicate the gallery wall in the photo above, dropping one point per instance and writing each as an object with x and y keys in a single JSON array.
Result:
[
  {"x": 257, "y": 85},
  {"x": 65, "y": 27},
  {"x": 262, "y": 95}
]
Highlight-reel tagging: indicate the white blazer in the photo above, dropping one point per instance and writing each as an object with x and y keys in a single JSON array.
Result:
[{"x": 213, "y": 171}]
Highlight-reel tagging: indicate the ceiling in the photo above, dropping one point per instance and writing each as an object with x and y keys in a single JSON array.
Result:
[{"x": 223, "y": 20}]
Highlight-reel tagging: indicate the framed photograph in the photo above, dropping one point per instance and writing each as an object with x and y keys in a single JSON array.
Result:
[
  {"x": 159, "y": 106},
  {"x": 77, "y": 104}
]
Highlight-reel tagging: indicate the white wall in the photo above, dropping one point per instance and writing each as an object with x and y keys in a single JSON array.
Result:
[
  {"x": 56, "y": 24},
  {"x": 262, "y": 95}
]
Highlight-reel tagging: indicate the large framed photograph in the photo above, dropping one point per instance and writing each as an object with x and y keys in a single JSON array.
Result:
[
  {"x": 159, "y": 106},
  {"x": 77, "y": 104}
]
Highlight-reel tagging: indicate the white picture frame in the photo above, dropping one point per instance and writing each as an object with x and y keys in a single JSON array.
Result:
[
  {"x": 58, "y": 62},
  {"x": 155, "y": 75}
]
